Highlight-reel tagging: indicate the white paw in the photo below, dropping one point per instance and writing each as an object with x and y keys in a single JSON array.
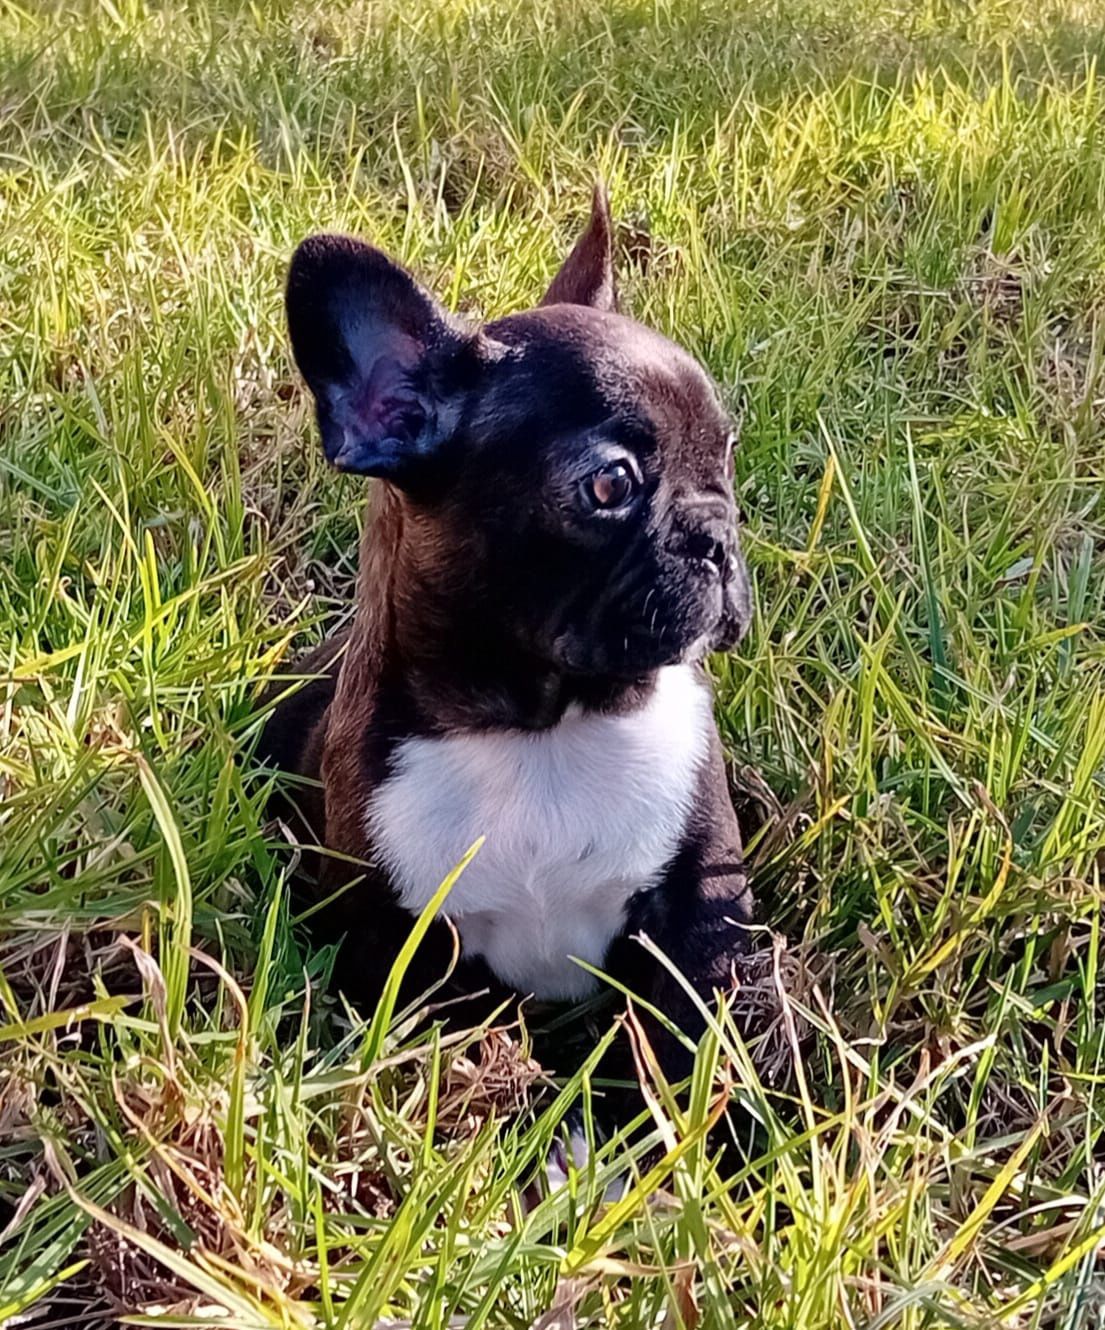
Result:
[
  {"x": 574, "y": 1156},
  {"x": 563, "y": 1156}
]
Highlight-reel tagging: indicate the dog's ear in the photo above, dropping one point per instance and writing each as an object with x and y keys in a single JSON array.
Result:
[
  {"x": 587, "y": 275},
  {"x": 384, "y": 360}
]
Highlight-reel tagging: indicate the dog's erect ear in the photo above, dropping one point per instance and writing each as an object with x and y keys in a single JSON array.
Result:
[
  {"x": 587, "y": 276},
  {"x": 383, "y": 359}
]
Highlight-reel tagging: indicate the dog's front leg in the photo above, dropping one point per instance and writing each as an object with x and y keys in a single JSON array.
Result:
[
  {"x": 700, "y": 917},
  {"x": 369, "y": 930}
]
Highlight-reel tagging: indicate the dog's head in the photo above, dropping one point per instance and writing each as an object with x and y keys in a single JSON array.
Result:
[{"x": 567, "y": 471}]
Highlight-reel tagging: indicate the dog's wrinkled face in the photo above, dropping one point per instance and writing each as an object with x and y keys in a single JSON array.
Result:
[
  {"x": 569, "y": 471},
  {"x": 613, "y": 521}
]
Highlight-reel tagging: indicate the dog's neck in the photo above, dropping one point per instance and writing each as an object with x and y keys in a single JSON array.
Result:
[
  {"x": 414, "y": 666},
  {"x": 438, "y": 662}
]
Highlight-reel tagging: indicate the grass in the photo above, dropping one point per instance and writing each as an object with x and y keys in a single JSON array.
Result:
[{"x": 879, "y": 223}]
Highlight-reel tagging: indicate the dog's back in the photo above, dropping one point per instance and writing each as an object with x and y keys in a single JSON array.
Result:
[{"x": 292, "y": 739}]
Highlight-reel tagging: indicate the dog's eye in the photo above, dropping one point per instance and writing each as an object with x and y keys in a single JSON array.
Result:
[{"x": 611, "y": 486}]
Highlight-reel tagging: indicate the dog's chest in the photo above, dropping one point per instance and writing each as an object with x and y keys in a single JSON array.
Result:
[{"x": 577, "y": 819}]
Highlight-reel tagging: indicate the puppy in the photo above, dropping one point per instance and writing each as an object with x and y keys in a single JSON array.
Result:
[{"x": 551, "y": 552}]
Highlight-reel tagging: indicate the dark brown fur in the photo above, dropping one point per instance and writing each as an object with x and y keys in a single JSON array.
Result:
[{"x": 482, "y": 602}]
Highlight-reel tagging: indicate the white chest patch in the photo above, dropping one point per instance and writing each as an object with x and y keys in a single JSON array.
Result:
[{"x": 577, "y": 819}]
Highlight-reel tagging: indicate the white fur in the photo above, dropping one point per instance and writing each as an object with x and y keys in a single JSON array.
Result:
[{"x": 577, "y": 819}]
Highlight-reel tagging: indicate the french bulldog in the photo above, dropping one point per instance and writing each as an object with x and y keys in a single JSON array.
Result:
[{"x": 551, "y": 552}]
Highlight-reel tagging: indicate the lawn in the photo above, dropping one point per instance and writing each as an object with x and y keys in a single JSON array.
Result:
[{"x": 882, "y": 226}]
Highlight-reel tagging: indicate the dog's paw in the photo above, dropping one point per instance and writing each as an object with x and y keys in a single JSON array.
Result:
[{"x": 570, "y": 1153}]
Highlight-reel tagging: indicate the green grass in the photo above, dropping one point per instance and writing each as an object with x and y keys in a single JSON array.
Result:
[{"x": 880, "y": 224}]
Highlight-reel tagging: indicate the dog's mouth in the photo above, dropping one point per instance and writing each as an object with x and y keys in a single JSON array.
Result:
[
  {"x": 624, "y": 628},
  {"x": 736, "y": 610},
  {"x": 637, "y": 657},
  {"x": 635, "y": 653}
]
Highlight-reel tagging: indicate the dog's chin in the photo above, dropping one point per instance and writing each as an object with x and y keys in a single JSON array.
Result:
[
  {"x": 727, "y": 635},
  {"x": 628, "y": 658},
  {"x": 735, "y": 617}
]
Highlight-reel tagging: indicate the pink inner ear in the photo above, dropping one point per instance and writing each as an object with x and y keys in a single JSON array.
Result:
[{"x": 386, "y": 406}]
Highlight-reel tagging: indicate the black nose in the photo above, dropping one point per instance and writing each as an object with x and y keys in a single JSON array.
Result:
[{"x": 704, "y": 545}]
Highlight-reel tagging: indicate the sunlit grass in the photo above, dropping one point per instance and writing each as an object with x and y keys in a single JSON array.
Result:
[{"x": 880, "y": 225}]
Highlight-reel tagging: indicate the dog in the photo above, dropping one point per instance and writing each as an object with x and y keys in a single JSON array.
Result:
[{"x": 552, "y": 550}]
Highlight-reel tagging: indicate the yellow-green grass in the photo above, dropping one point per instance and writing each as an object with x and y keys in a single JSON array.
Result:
[{"x": 880, "y": 224}]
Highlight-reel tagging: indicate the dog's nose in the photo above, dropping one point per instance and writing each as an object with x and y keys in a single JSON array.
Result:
[{"x": 707, "y": 546}]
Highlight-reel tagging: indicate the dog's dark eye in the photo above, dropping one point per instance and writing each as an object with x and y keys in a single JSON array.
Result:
[{"x": 611, "y": 486}]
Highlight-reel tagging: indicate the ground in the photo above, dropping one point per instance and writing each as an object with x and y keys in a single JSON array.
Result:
[{"x": 880, "y": 225}]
